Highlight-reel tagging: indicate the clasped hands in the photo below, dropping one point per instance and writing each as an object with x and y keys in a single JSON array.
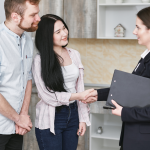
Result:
[
  {"x": 88, "y": 96},
  {"x": 23, "y": 124}
]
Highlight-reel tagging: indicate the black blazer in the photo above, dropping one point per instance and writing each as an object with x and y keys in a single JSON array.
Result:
[{"x": 135, "y": 133}]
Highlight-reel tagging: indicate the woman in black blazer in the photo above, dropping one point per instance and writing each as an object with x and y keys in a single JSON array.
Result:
[{"x": 135, "y": 134}]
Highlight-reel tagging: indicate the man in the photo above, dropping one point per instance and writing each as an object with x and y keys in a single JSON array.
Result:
[{"x": 16, "y": 49}]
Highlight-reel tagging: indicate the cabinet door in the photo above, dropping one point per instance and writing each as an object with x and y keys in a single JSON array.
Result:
[
  {"x": 51, "y": 7},
  {"x": 81, "y": 18}
]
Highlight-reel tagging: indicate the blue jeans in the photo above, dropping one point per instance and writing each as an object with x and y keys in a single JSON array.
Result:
[{"x": 66, "y": 126}]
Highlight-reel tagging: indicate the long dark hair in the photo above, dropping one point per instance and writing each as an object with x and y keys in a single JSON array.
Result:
[
  {"x": 51, "y": 71},
  {"x": 144, "y": 15}
]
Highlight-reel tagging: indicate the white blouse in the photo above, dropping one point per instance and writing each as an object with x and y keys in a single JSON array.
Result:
[
  {"x": 143, "y": 55},
  {"x": 70, "y": 74}
]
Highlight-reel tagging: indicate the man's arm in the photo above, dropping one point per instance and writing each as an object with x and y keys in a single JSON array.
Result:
[
  {"x": 27, "y": 97},
  {"x": 25, "y": 106},
  {"x": 7, "y": 110}
]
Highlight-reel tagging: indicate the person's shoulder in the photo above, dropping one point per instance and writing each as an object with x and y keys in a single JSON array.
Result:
[
  {"x": 27, "y": 35},
  {"x": 37, "y": 58},
  {"x": 29, "y": 39},
  {"x": 73, "y": 51}
]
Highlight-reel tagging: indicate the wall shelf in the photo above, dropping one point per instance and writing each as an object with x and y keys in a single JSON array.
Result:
[
  {"x": 109, "y": 15},
  {"x": 109, "y": 132},
  {"x": 102, "y": 144},
  {"x": 109, "y": 139},
  {"x": 126, "y": 4},
  {"x": 125, "y": 38}
]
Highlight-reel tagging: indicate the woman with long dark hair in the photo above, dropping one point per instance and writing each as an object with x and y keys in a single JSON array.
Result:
[
  {"x": 135, "y": 134},
  {"x": 58, "y": 74}
]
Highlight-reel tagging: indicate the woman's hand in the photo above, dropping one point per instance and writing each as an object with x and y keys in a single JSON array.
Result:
[
  {"x": 92, "y": 94},
  {"x": 82, "y": 95},
  {"x": 90, "y": 100},
  {"x": 82, "y": 129},
  {"x": 118, "y": 109}
]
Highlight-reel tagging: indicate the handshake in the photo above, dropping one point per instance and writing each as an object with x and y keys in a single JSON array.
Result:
[
  {"x": 23, "y": 122},
  {"x": 88, "y": 96}
]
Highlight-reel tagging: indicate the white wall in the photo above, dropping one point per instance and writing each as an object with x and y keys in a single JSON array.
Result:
[{"x": 2, "y": 12}]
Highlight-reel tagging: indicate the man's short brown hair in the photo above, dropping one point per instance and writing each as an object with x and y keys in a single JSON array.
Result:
[{"x": 17, "y": 6}]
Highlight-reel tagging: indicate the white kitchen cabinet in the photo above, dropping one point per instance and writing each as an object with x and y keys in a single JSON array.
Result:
[
  {"x": 111, "y": 125},
  {"x": 110, "y": 14}
]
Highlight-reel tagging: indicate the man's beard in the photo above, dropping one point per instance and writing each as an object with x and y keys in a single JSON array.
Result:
[{"x": 31, "y": 29}]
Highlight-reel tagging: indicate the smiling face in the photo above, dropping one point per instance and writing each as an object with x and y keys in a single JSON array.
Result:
[
  {"x": 60, "y": 36},
  {"x": 29, "y": 21},
  {"x": 142, "y": 33}
]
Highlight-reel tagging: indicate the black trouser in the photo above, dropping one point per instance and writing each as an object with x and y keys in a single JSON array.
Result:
[{"x": 11, "y": 142}]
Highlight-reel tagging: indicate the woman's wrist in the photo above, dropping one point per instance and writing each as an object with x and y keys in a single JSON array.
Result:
[
  {"x": 83, "y": 122},
  {"x": 74, "y": 96}
]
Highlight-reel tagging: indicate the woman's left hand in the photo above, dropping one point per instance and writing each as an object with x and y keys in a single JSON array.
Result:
[
  {"x": 118, "y": 109},
  {"x": 82, "y": 128}
]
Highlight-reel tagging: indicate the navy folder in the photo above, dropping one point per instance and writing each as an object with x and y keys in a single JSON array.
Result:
[{"x": 129, "y": 90}]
